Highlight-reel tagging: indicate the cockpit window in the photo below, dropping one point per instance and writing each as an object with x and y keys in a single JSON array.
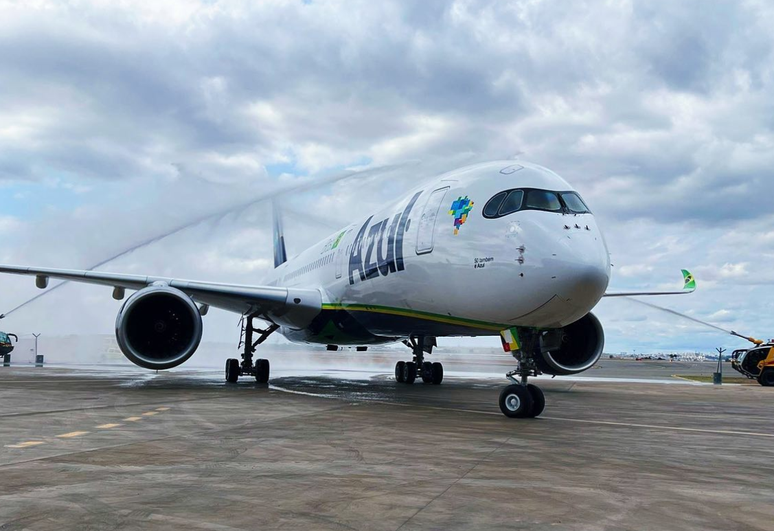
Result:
[
  {"x": 510, "y": 201},
  {"x": 543, "y": 200},
  {"x": 4, "y": 338},
  {"x": 493, "y": 205},
  {"x": 574, "y": 203}
]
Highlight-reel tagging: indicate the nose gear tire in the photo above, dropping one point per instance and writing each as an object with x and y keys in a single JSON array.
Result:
[
  {"x": 515, "y": 401},
  {"x": 538, "y": 400}
]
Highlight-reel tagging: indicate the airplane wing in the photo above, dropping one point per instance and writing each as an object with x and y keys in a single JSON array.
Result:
[
  {"x": 286, "y": 306},
  {"x": 689, "y": 286}
]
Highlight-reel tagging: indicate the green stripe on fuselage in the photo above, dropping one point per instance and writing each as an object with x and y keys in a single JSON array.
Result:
[{"x": 428, "y": 316}]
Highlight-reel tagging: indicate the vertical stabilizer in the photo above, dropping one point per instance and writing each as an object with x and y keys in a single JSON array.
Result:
[{"x": 280, "y": 255}]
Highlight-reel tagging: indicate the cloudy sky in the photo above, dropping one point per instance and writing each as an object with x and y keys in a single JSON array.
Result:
[{"x": 121, "y": 120}]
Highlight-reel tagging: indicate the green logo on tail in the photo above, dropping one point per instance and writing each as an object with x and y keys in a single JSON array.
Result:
[{"x": 690, "y": 282}]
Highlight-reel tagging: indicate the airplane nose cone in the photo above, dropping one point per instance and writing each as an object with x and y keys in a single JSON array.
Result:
[
  {"x": 585, "y": 286},
  {"x": 586, "y": 272}
]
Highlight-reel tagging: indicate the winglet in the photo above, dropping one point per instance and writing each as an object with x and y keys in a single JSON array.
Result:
[
  {"x": 690, "y": 282},
  {"x": 689, "y": 286}
]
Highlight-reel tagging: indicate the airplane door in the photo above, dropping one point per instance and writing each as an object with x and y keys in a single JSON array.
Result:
[{"x": 426, "y": 230}]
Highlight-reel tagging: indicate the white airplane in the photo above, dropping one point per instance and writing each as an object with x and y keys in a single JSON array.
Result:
[{"x": 500, "y": 248}]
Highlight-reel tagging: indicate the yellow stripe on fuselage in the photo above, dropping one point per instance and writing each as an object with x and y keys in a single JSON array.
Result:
[{"x": 403, "y": 312}]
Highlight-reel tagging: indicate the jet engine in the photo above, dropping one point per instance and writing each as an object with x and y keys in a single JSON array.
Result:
[
  {"x": 573, "y": 348},
  {"x": 159, "y": 327}
]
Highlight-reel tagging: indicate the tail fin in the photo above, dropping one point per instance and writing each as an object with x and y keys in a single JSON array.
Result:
[{"x": 280, "y": 255}]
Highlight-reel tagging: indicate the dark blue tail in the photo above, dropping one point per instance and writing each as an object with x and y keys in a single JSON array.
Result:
[{"x": 280, "y": 255}]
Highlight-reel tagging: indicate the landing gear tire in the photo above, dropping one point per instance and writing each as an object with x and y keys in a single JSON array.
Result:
[
  {"x": 262, "y": 371},
  {"x": 516, "y": 401},
  {"x": 538, "y": 400},
  {"x": 400, "y": 369},
  {"x": 427, "y": 372},
  {"x": 766, "y": 378},
  {"x": 232, "y": 370},
  {"x": 409, "y": 372},
  {"x": 436, "y": 373}
]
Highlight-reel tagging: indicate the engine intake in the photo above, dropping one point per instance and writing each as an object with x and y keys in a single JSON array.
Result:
[
  {"x": 159, "y": 327},
  {"x": 573, "y": 348}
]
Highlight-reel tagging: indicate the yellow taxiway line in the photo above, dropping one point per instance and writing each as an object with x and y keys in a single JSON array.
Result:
[
  {"x": 25, "y": 444},
  {"x": 71, "y": 434}
]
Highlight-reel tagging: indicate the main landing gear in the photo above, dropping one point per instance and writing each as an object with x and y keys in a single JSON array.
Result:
[
  {"x": 409, "y": 371},
  {"x": 260, "y": 370},
  {"x": 522, "y": 399}
]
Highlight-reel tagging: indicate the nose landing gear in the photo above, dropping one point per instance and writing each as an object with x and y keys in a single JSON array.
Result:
[
  {"x": 261, "y": 369},
  {"x": 409, "y": 371},
  {"x": 522, "y": 399}
]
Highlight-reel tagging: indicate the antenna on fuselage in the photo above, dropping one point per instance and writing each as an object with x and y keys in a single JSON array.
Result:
[{"x": 280, "y": 254}]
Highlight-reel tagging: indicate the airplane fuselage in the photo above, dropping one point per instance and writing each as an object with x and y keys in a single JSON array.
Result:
[{"x": 432, "y": 263}]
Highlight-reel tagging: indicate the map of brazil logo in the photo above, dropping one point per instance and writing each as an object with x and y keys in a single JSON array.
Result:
[{"x": 459, "y": 209}]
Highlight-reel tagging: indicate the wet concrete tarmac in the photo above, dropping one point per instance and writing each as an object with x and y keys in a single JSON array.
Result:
[{"x": 82, "y": 449}]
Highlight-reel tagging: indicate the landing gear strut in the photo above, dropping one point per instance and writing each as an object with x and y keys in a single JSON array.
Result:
[
  {"x": 522, "y": 399},
  {"x": 409, "y": 371},
  {"x": 260, "y": 370}
]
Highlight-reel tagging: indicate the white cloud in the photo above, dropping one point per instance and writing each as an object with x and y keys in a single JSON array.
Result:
[
  {"x": 721, "y": 316},
  {"x": 9, "y": 224},
  {"x": 634, "y": 270}
]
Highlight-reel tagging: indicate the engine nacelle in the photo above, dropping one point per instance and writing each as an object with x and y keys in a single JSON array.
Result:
[
  {"x": 159, "y": 327},
  {"x": 573, "y": 348}
]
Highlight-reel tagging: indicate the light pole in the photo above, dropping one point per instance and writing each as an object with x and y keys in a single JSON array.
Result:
[
  {"x": 36, "y": 349},
  {"x": 717, "y": 377}
]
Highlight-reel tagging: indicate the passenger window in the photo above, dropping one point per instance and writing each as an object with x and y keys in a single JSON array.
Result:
[
  {"x": 574, "y": 203},
  {"x": 512, "y": 203},
  {"x": 493, "y": 205},
  {"x": 543, "y": 200}
]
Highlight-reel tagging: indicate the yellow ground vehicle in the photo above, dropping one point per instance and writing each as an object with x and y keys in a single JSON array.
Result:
[{"x": 756, "y": 363}]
